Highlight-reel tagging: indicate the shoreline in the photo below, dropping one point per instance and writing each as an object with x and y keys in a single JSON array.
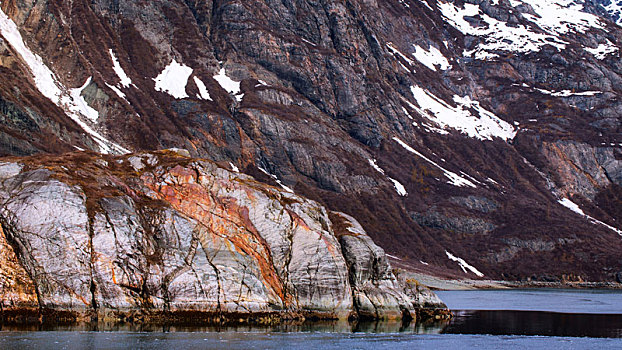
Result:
[
  {"x": 25, "y": 318},
  {"x": 438, "y": 283}
]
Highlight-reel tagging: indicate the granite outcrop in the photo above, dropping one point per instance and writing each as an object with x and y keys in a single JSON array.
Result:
[{"x": 155, "y": 234}]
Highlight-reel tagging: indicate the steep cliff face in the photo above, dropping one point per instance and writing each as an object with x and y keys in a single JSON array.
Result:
[
  {"x": 463, "y": 135},
  {"x": 157, "y": 233}
]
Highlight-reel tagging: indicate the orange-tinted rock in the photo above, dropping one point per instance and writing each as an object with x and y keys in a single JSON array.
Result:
[
  {"x": 174, "y": 234},
  {"x": 16, "y": 288}
]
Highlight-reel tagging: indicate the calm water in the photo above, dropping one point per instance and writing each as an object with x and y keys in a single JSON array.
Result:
[
  {"x": 553, "y": 300},
  {"x": 514, "y": 319},
  {"x": 316, "y": 341}
]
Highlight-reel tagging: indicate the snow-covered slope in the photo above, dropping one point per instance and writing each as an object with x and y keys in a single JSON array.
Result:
[{"x": 530, "y": 26}]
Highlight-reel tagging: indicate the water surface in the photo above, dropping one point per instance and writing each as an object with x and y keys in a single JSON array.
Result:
[
  {"x": 512, "y": 319},
  {"x": 552, "y": 300},
  {"x": 541, "y": 312},
  {"x": 231, "y": 340}
]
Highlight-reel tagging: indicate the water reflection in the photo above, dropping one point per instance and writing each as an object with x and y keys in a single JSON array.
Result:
[
  {"x": 431, "y": 327},
  {"x": 536, "y": 323},
  {"x": 464, "y": 322}
]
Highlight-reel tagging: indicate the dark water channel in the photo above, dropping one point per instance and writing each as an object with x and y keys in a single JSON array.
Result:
[{"x": 550, "y": 312}]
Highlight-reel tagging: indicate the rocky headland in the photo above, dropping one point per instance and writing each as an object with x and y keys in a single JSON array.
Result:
[{"x": 162, "y": 237}]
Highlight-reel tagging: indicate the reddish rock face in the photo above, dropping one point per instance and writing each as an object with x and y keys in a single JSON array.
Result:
[
  {"x": 221, "y": 219},
  {"x": 156, "y": 233},
  {"x": 314, "y": 95},
  {"x": 16, "y": 286}
]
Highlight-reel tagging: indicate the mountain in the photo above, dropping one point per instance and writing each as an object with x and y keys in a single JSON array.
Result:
[{"x": 469, "y": 138}]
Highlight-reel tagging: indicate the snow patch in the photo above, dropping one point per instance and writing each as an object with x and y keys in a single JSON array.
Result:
[
  {"x": 552, "y": 20},
  {"x": 309, "y": 42},
  {"x": 173, "y": 80},
  {"x": 116, "y": 91},
  {"x": 80, "y": 106},
  {"x": 492, "y": 181},
  {"x": 234, "y": 168},
  {"x": 275, "y": 179},
  {"x": 203, "y": 93},
  {"x": 602, "y": 50},
  {"x": 454, "y": 179},
  {"x": 231, "y": 86},
  {"x": 43, "y": 76},
  {"x": 431, "y": 58},
  {"x": 463, "y": 264},
  {"x": 425, "y": 2},
  {"x": 496, "y": 35},
  {"x": 399, "y": 188},
  {"x": 560, "y": 16},
  {"x": 575, "y": 208},
  {"x": 374, "y": 165},
  {"x": 395, "y": 51},
  {"x": 485, "y": 126},
  {"x": 125, "y": 81},
  {"x": 568, "y": 93},
  {"x": 571, "y": 205},
  {"x": 614, "y": 7},
  {"x": 563, "y": 93},
  {"x": 407, "y": 114}
]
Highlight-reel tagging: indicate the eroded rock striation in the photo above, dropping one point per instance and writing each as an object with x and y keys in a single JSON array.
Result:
[{"x": 156, "y": 233}]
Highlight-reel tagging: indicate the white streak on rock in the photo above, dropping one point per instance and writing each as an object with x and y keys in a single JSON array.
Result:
[
  {"x": 125, "y": 81},
  {"x": 203, "y": 92},
  {"x": 454, "y": 178},
  {"x": 575, "y": 208},
  {"x": 463, "y": 264}
]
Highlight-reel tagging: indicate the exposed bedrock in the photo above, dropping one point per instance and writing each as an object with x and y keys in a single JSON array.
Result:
[{"x": 159, "y": 232}]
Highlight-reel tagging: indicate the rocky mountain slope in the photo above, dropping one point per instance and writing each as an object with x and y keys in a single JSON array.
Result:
[
  {"x": 163, "y": 235},
  {"x": 468, "y": 138}
]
